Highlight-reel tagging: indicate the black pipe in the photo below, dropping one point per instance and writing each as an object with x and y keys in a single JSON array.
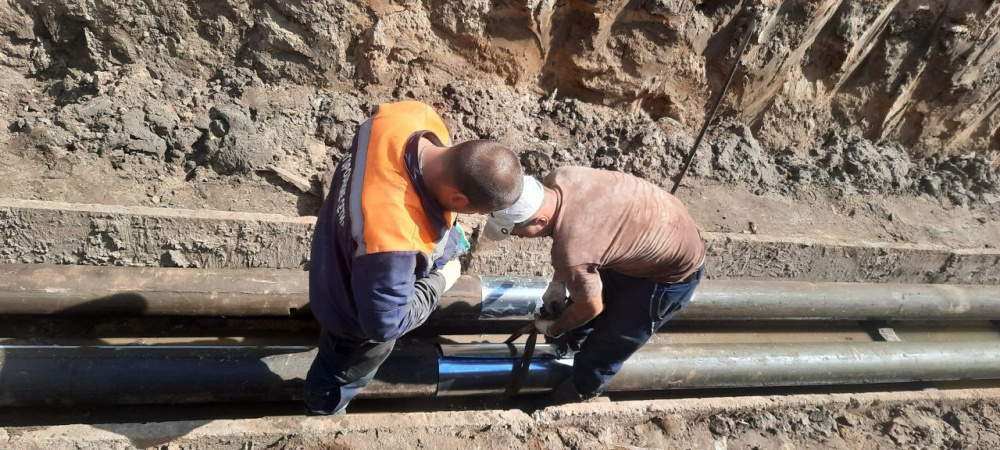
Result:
[{"x": 64, "y": 375}]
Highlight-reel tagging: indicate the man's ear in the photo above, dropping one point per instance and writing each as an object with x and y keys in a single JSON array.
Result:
[
  {"x": 541, "y": 221},
  {"x": 457, "y": 201}
]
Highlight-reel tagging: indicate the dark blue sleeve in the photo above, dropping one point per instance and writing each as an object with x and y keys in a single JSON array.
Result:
[{"x": 391, "y": 300}]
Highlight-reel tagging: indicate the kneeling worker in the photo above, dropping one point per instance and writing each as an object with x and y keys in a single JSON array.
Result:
[
  {"x": 383, "y": 250},
  {"x": 628, "y": 252}
]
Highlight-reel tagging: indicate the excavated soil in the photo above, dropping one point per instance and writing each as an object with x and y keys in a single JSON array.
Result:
[
  {"x": 229, "y": 105},
  {"x": 847, "y": 119},
  {"x": 934, "y": 419}
]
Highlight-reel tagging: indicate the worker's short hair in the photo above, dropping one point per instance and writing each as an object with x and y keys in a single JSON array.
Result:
[{"x": 488, "y": 173}]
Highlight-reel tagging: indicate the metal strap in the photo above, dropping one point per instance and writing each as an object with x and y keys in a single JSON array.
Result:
[{"x": 519, "y": 372}]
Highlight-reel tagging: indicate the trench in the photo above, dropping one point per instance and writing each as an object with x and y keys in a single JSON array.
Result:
[{"x": 739, "y": 338}]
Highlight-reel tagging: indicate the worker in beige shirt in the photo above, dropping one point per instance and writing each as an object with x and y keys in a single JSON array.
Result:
[{"x": 628, "y": 253}]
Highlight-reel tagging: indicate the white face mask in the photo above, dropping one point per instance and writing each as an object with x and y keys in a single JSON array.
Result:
[{"x": 501, "y": 223}]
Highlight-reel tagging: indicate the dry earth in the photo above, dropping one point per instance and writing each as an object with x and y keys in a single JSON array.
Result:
[
  {"x": 849, "y": 119},
  {"x": 190, "y": 103},
  {"x": 968, "y": 419}
]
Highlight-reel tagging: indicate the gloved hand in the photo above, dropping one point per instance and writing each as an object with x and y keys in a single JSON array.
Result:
[
  {"x": 543, "y": 325},
  {"x": 451, "y": 271},
  {"x": 463, "y": 246},
  {"x": 554, "y": 299}
]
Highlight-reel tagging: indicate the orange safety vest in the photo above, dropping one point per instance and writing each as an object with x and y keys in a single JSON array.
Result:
[
  {"x": 392, "y": 216},
  {"x": 381, "y": 230}
]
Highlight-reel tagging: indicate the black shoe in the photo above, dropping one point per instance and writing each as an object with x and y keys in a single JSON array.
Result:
[
  {"x": 318, "y": 412},
  {"x": 565, "y": 393}
]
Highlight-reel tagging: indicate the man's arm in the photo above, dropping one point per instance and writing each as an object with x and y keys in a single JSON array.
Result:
[
  {"x": 391, "y": 301},
  {"x": 584, "y": 285},
  {"x": 575, "y": 316}
]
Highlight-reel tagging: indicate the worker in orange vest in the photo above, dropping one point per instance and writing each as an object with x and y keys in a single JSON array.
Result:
[{"x": 385, "y": 244}]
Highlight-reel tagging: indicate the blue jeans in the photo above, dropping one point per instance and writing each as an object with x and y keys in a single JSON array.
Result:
[
  {"x": 634, "y": 308},
  {"x": 341, "y": 369}
]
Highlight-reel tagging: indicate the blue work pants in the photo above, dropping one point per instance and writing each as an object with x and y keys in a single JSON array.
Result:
[
  {"x": 634, "y": 309},
  {"x": 341, "y": 369}
]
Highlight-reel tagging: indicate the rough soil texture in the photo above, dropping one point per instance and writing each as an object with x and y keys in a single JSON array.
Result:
[
  {"x": 63, "y": 233},
  {"x": 195, "y": 104},
  {"x": 930, "y": 419}
]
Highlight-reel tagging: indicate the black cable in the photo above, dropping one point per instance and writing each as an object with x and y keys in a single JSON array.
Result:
[{"x": 718, "y": 101}]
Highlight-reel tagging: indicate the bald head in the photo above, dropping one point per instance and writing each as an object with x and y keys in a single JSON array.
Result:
[{"x": 486, "y": 172}]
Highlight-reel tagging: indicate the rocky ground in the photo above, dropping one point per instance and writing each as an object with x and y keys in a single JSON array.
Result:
[
  {"x": 867, "y": 120},
  {"x": 966, "y": 419},
  {"x": 229, "y": 105}
]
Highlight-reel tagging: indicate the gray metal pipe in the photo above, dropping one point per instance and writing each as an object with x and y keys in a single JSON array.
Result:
[
  {"x": 45, "y": 289},
  {"x": 743, "y": 299},
  {"x": 756, "y": 365},
  {"x": 478, "y": 370},
  {"x": 61, "y": 375},
  {"x": 786, "y": 300}
]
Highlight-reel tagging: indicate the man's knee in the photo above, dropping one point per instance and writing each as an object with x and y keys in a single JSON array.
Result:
[
  {"x": 592, "y": 375},
  {"x": 342, "y": 368}
]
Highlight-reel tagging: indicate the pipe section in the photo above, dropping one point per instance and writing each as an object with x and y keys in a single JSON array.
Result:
[
  {"x": 511, "y": 298},
  {"x": 136, "y": 291},
  {"x": 46, "y": 289},
  {"x": 765, "y": 365},
  {"x": 743, "y": 299},
  {"x": 486, "y": 368},
  {"x": 791, "y": 300},
  {"x": 746, "y": 366},
  {"x": 61, "y": 375},
  {"x": 152, "y": 291}
]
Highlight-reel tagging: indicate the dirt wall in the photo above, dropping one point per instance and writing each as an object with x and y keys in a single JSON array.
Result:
[
  {"x": 63, "y": 233},
  {"x": 874, "y": 97}
]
